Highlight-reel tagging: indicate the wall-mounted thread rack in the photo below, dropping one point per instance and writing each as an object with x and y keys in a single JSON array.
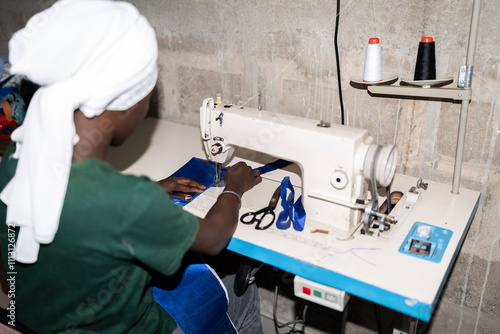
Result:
[{"x": 458, "y": 94}]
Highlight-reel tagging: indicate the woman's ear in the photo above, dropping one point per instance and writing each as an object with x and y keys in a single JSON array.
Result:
[{"x": 127, "y": 120}]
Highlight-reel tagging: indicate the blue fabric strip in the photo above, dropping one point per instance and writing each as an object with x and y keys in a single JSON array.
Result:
[
  {"x": 293, "y": 212},
  {"x": 273, "y": 166}
]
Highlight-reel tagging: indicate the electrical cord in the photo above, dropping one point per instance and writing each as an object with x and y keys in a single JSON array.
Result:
[
  {"x": 277, "y": 326},
  {"x": 338, "y": 62},
  {"x": 303, "y": 310},
  {"x": 377, "y": 318},
  {"x": 344, "y": 320}
]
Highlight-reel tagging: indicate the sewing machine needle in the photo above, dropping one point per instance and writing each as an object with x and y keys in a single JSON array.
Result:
[{"x": 219, "y": 182}]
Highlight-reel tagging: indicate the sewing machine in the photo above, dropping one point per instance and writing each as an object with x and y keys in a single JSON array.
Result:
[
  {"x": 381, "y": 270},
  {"x": 337, "y": 162}
]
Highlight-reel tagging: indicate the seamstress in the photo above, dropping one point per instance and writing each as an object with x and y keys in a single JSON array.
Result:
[{"x": 86, "y": 238}]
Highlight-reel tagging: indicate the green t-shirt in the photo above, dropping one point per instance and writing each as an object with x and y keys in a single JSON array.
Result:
[{"x": 115, "y": 231}]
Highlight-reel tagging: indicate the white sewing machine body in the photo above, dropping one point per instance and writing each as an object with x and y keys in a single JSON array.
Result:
[{"x": 335, "y": 161}]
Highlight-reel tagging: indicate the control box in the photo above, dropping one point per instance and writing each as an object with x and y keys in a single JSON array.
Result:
[{"x": 320, "y": 293}]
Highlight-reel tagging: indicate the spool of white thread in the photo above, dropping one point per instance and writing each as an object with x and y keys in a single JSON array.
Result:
[{"x": 373, "y": 62}]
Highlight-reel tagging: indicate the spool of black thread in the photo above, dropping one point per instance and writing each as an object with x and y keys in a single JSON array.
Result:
[{"x": 425, "y": 69}]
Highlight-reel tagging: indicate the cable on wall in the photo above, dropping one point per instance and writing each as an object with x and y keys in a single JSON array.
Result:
[{"x": 338, "y": 63}]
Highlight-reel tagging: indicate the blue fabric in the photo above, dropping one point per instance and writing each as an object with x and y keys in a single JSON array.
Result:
[
  {"x": 199, "y": 170},
  {"x": 273, "y": 165},
  {"x": 293, "y": 212},
  {"x": 203, "y": 171},
  {"x": 198, "y": 304}
]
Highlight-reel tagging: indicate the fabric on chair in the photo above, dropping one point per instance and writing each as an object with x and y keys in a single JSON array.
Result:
[{"x": 198, "y": 303}]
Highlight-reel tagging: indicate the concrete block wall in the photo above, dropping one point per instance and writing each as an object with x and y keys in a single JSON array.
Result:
[{"x": 285, "y": 50}]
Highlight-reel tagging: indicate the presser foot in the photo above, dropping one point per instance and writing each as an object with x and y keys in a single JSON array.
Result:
[{"x": 220, "y": 184}]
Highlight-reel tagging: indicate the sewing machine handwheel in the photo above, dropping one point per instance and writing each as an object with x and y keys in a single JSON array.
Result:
[{"x": 243, "y": 279}]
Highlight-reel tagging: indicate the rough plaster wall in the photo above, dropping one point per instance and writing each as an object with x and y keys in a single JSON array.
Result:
[{"x": 285, "y": 50}]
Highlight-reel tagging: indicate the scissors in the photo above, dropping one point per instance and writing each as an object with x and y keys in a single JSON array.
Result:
[{"x": 258, "y": 216}]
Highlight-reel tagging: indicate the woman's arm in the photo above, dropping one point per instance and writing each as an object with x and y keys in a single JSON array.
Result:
[{"x": 219, "y": 225}]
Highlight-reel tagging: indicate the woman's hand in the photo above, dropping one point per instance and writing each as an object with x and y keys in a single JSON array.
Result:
[
  {"x": 182, "y": 186},
  {"x": 241, "y": 178},
  {"x": 219, "y": 224}
]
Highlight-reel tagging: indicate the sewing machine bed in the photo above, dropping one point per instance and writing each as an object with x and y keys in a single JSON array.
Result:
[{"x": 378, "y": 269}]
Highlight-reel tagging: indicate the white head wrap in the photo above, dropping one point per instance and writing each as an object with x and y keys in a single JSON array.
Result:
[{"x": 92, "y": 55}]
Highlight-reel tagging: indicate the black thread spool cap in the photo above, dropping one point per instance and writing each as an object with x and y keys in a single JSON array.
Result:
[{"x": 425, "y": 69}]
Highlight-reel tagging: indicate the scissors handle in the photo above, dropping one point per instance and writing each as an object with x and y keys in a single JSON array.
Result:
[
  {"x": 268, "y": 212},
  {"x": 258, "y": 216},
  {"x": 249, "y": 218}
]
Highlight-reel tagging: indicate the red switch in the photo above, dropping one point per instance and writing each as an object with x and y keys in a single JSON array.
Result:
[{"x": 306, "y": 290}]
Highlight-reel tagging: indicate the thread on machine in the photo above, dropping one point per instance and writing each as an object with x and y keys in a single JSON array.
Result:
[
  {"x": 425, "y": 68},
  {"x": 373, "y": 61}
]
